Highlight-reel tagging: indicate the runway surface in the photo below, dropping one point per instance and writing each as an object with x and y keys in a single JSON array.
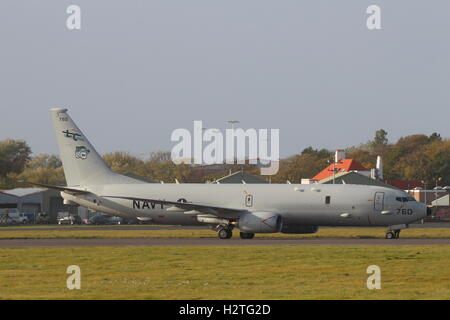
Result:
[
  {"x": 28, "y": 243},
  {"x": 112, "y": 227},
  {"x": 162, "y": 227}
]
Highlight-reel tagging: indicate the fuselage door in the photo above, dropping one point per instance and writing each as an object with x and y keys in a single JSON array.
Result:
[{"x": 379, "y": 201}]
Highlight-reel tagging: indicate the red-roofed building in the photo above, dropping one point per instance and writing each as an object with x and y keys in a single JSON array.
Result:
[
  {"x": 404, "y": 184},
  {"x": 344, "y": 165}
]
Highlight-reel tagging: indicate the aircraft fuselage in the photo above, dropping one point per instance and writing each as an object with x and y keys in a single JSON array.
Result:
[{"x": 312, "y": 204}]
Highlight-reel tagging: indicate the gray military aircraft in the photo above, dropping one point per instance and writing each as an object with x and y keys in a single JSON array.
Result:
[{"x": 252, "y": 208}]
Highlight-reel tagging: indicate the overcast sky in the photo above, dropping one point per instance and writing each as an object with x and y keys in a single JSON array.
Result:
[{"x": 137, "y": 70}]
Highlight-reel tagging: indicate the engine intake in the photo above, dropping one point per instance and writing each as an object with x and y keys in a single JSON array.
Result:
[{"x": 260, "y": 222}]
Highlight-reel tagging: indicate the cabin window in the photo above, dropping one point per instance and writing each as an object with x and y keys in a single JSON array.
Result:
[
  {"x": 405, "y": 199},
  {"x": 248, "y": 200},
  {"x": 327, "y": 200}
]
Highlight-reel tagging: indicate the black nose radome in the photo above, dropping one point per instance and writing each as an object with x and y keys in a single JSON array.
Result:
[{"x": 429, "y": 211}]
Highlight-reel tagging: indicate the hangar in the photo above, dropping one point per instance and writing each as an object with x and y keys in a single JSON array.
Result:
[{"x": 31, "y": 201}]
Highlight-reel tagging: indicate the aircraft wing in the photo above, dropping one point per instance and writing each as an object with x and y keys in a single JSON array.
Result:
[
  {"x": 59, "y": 188},
  {"x": 222, "y": 212}
]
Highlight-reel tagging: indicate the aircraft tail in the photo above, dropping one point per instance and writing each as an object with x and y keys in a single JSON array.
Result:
[{"x": 81, "y": 162}]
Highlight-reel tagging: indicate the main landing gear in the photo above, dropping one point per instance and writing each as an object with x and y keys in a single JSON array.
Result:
[{"x": 225, "y": 233}]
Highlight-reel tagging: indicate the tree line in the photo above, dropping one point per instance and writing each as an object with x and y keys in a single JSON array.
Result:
[{"x": 414, "y": 157}]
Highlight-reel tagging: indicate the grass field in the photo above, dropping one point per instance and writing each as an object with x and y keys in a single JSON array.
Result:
[
  {"x": 282, "y": 272},
  {"x": 73, "y": 232}
]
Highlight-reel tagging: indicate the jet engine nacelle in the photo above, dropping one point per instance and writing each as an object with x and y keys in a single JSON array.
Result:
[
  {"x": 260, "y": 222},
  {"x": 299, "y": 229}
]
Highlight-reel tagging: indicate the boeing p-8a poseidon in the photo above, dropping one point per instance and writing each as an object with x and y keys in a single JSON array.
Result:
[{"x": 252, "y": 208}]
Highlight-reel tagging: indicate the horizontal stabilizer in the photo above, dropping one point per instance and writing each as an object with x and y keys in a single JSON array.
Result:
[{"x": 59, "y": 188}]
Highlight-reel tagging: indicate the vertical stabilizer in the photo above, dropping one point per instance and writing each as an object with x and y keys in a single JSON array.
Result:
[{"x": 82, "y": 164}]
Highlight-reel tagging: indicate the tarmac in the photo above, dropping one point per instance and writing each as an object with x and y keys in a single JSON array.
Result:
[
  {"x": 236, "y": 241},
  {"x": 29, "y": 243},
  {"x": 111, "y": 227},
  {"x": 163, "y": 227}
]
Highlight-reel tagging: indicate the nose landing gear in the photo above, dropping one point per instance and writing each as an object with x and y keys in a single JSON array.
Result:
[
  {"x": 395, "y": 234},
  {"x": 394, "y": 231}
]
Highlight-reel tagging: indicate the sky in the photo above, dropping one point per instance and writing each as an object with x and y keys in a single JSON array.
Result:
[{"x": 137, "y": 70}]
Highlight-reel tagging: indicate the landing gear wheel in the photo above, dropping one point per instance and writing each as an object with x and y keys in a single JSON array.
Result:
[
  {"x": 225, "y": 233},
  {"x": 397, "y": 234},
  {"x": 390, "y": 235},
  {"x": 245, "y": 235}
]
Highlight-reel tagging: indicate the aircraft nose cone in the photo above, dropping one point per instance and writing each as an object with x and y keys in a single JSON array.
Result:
[{"x": 429, "y": 212}]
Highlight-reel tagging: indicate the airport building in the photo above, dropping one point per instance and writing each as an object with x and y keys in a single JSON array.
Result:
[
  {"x": 341, "y": 166},
  {"x": 32, "y": 201},
  {"x": 350, "y": 171},
  {"x": 441, "y": 207},
  {"x": 240, "y": 177},
  {"x": 354, "y": 177}
]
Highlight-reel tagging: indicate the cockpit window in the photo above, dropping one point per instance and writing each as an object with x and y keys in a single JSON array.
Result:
[{"x": 405, "y": 199}]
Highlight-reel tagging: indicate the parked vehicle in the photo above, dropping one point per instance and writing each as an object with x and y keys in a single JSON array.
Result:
[
  {"x": 69, "y": 220},
  {"x": 104, "y": 219},
  {"x": 42, "y": 218},
  {"x": 18, "y": 217}
]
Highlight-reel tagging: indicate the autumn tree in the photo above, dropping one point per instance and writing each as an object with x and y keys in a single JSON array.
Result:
[
  {"x": 321, "y": 154},
  {"x": 379, "y": 143},
  {"x": 302, "y": 166},
  {"x": 366, "y": 158},
  {"x": 42, "y": 168},
  {"x": 14, "y": 155},
  {"x": 123, "y": 162}
]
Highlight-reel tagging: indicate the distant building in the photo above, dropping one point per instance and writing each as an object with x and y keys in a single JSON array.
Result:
[
  {"x": 240, "y": 177},
  {"x": 341, "y": 165},
  {"x": 354, "y": 177},
  {"x": 427, "y": 196},
  {"x": 404, "y": 184},
  {"x": 441, "y": 207},
  {"x": 360, "y": 175},
  {"x": 32, "y": 201}
]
